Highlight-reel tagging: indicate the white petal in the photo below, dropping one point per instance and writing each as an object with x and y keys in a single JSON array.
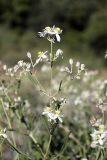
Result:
[
  {"x": 38, "y": 60},
  {"x": 58, "y": 37},
  {"x": 101, "y": 142},
  {"x": 60, "y": 119},
  {"x": 104, "y": 134}
]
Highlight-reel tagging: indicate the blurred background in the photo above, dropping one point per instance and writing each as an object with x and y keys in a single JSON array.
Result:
[{"x": 84, "y": 25}]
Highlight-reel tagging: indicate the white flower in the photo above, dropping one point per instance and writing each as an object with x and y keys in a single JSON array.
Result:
[
  {"x": 49, "y": 113},
  {"x": 97, "y": 140},
  {"x": 58, "y": 115},
  {"x": 51, "y": 33},
  {"x": 104, "y": 134},
  {"x": 47, "y": 110},
  {"x": 99, "y": 136},
  {"x": 41, "y": 56},
  {"x": 52, "y": 115}
]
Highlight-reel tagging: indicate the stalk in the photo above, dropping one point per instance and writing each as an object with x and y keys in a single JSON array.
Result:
[
  {"x": 98, "y": 154},
  {"x": 9, "y": 124},
  {"x": 45, "y": 156},
  {"x": 51, "y": 74}
]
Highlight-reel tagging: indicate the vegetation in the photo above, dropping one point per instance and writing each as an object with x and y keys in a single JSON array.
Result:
[{"x": 52, "y": 112}]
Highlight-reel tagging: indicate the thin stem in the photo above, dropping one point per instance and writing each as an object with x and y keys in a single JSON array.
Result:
[
  {"x": 1, "y": 147},
  {"x": 18, "y": 151},
  {"x": 51, "y": 57},
  {"x": 46, "y": 124},
  {"x": 103, "y": 116},
  {"x": 33, "y": 80},
  {"x": 103, "y": 155},
  {"x": 50, "y": 97},
  {"x": 31, "y": 62},
  {"x": 98, "y": 154},
  {"x": 50, "y": 138},
  {"x": 7, "y": 95},
  {"x": 34, "y": 140},
  {"x": 9, "y": 123}
]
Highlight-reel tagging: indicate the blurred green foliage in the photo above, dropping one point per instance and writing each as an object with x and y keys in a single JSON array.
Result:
[{"x": 84, "y": 23}]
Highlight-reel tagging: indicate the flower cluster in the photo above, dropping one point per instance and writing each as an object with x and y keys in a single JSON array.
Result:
[
  {"x": 53, "y": 115},
  {"x": 80, "y": 68},
  {"x": 58, "y": 103},
  {"x": 99, "y": 135},
  {"x": 25, "y": 66},
  {"x": 59, "y": 53},
  {"x": 9, "y": 71}
]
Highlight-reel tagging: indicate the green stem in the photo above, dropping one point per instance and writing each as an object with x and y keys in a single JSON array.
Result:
[
  {"x": 45, "y": 156},
  {"x": 50, "y": 97},
  {"x": 103, "y": 154},
  {"x": 103, "y": 116},
  {"x": 1, "y": 147},
  {"x": 34, "y": 140},
  {"x": 35, "y": 82},
  {"x": 9, "y": 123},
  {"x": 51, "y": 59},
  {"x": 8, "y": 120},
  {"x": 7, "y": 96},
  {"x": 98, "y": 154},
  {"x": 17, "y": 150}
]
